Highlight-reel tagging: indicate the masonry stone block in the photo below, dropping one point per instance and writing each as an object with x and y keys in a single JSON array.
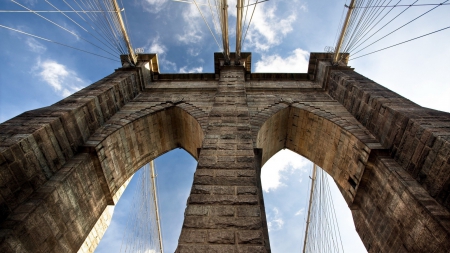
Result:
[
  {"x": 221, "y": 237},
  {"x": 62, "y": 166}
]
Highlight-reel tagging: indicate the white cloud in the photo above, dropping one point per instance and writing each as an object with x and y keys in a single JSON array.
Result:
[
  {"x": 304, "y": 7},
  {"x": 300, "y": 212},
  {"x": 64, "y": 81},
  {"x": 193, "y": 22},
  {"x": 192, "y": 70},
  {"x": 282, "y": 162},
  {"x": 166, "y": 64},
  {"x": 153, "y": 6},
  {"x": 156, "y": 47},
  {"x": 274, "y": 221},
  {"x": 35, "y": 46},
  {"x": 190, "y": 36},
  {"x": 193, "y": 51},
  {"x": 31, "y": 2},
  {"x": 296, "y": 62},
  {"x": 268, "y": 28}
]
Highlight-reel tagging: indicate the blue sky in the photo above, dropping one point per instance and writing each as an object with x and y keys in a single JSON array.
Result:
[{"x": 36, "y": 73}]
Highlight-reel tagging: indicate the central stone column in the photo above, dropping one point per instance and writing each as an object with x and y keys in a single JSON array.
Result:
[{"x": 225, "y": 209}]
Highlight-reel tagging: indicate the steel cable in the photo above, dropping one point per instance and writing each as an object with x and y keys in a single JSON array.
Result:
[{"x": 400, "y": 27}]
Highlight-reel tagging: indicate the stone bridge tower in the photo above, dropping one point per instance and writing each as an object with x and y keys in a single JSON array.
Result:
[{"x": 62, "y": 166}]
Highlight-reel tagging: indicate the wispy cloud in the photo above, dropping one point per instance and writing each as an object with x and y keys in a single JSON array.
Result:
[
  {"x": 296, "y": 62},
  {"x": 186, "y": 69},
  {"x": 274, "y": 220},
  {"x": 31, "y": 2},
  {"x": 156, "y": 47},
  {"x": 35, "y": 46},
  {"x": 300, "y": 212},
  {"x": 192, "y": 32},
  {"x": 193, "y": 51},
  {"x": 64, "y": 81},
  {"x": 274, "y": 169},
  {"x": 268, "y": 29},
  {"x": 153, "y": 6}
]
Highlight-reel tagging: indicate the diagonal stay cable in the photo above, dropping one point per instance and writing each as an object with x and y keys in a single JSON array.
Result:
[
  {"x": 125, "y": 14},
  {"x": 373, "y": 26},
  {"x": 369, "y": 22},
  {"x": 65, "y": 15},
  {"x": 361, "y": 43},
  {"x": 201, "y": 13},
  {"x": 216, "y": 28},
  {"x": 402, "y": 42},
  {"x": 402, "y": 5},
  {"x": 355, "y": 24},
  {"x": 62, "y": 27},
  {"x": 107, "y": 30},
  {"x": 251, "y": 17},
  {"x": 76, "y": 35},
  {"x": 340, "y": 24},
  {"x": 79, "y": 25},
  {"x": 41, "y": 38},
  {"x": 218, "y": 6},
  {"x": 113, "y": 23},
  {"x": 108, "y": 23},
  {"x": 350, "y": 28},
  {"x": 364, "y": 19},
  {"x": 73, "y": 11},
  {"x": 245, "y": 21},
  {"x": 111, "y": 20},
  {"x": 400, "y": 27},
  {"x": 376, "y": 12},
  {"x": 101, "y": 29},
  {"x": 115, "y": 19},
  {"x": 99, "y": 33}
]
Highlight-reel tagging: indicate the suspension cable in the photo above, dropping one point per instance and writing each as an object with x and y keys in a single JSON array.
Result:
[
  {"x": 41, "y": 38},
  {"x": 65, "y": 29},
  {"x": 445, "y": 28},
  {"x": 201, "y": 13}
]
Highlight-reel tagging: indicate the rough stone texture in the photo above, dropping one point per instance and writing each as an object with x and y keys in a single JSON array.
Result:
[
  {"x": 62, "y": 166},
  {"x": 417, "y": 138},
  {"x": 392, "y": 211},
  {"x": 93, "y": 239}
]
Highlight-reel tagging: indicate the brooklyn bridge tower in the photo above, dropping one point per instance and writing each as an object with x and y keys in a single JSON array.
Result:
[{"x": 63, "y": 165}]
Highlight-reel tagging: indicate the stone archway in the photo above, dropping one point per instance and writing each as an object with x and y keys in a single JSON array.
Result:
[
  {"x": 122, "y": 149},
  {"x": 61, "y": 213},
  {"x": 384, "y": 198},
  {"x": 63, "y": 164},
  {"x": 326, "y": 142}
]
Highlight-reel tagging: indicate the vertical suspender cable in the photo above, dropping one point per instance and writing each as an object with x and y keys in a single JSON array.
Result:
[
  {"x": 311, "y": 195},
  {"x": 155, "y": 199}
]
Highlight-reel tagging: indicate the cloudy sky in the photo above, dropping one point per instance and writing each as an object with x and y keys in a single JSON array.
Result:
[{"x": 37, "y": 73}]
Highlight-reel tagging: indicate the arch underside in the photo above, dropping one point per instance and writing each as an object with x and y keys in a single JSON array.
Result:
[
  {"x": 135, "y": 144},
  {"x": 385, "y": 200},
  {"x": 341, "y": 153},
  {"x": 61, "y": 166},
  {"x": 69, "y": 205}
]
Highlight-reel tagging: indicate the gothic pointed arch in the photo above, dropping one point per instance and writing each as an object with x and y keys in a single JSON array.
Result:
[
  {"x": 131, "y": 139},
  {"x": 320, "y": 135},
  {"x": 374, "y": 185}
]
